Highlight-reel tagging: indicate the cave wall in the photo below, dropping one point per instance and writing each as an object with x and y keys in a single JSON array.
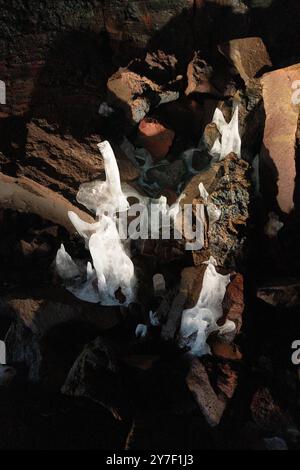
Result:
[{"x": 55, "y": 56}]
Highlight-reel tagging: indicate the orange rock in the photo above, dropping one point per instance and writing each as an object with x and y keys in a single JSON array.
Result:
[
  {"x": 155, "y": 138},
  {"x": 280, "y": 134}
]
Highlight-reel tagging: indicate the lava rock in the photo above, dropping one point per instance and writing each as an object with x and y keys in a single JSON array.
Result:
[
  {"x": 155, "y": 138},
  {"x": 278, "y": 170}
]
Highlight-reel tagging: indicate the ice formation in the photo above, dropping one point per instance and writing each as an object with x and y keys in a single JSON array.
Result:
[
  {"x": 230, "y": 138},
  {"x": 213, "y": 212},
  {"x": 2, "y": 352},
  {"x": 141, "y": 331},
  {"x": 112, "y": 270},
  {"x": 104, "y": 196},
  {"x": 198, "y": 322}
]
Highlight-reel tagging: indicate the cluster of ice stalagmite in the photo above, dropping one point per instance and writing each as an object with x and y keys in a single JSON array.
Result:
[
  {"x": 230, "y": 140},
  {"x": 112, "y": 269},
  {"x": 199, "y": 322}
]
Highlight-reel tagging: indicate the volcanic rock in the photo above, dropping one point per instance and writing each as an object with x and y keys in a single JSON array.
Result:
[
  {"x": 94, "y": 375},
  {"x": 267, "y": 413},
  {"x": 38, "y": 318},
  {"x": 136, "y": 94},
  {"x": 155, "y": 138},
  {"x": 227, "y": 185},
  {"x": 24, "y": 195},
  {"x": 212, "y": 400},
  {"x": 278, "y": 153},
  {"x": 248, "y": 55},
  {"x": 198, "y": 76}
]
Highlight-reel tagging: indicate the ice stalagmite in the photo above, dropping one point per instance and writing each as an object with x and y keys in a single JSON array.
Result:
[
  {"x": 111, "y": 271},
  {"x": 198, "y": 322},
  {"x": 230, "y": 138}
]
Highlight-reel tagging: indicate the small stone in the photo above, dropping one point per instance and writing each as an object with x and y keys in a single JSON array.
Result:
[{"x": 155, "y": 138}]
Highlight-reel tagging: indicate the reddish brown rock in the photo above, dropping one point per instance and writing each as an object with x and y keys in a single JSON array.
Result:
[
  {"x": 155, "y": 138},
  {"x": 278, "y": 152},
  {"x": 225, "y": 350},
  {"x": 135, "y": 94},
  {"x": 248, "y": 55},
  {"x": 212, "y": 400},
  {"x": 233, "y": 302},
  {"x": 198, "y": 76},
  {"x": 267, "y": 413}
]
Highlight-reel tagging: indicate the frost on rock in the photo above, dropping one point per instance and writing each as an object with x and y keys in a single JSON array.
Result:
[
  {"x": 111, "y": 271},
  {"x": 230, "y": 138},
  {"x": 198, "y": 322},
  {"x": 213, "y": 212}
]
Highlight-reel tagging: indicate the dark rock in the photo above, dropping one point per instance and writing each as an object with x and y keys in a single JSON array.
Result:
[
  {"x": 95, "y": 376},
  {"x": 212, "y": 400},
  {"x": 248, "y": 55}
]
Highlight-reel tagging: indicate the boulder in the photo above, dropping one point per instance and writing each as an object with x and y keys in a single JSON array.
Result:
[
  {"x": 48, "y": 330},
  {"x": 227, "y": 185},
  {"x": 278, "y": 170},
  {"x": 136, "y": 94},
  {"x": 212, "y": 400},
  {"x": 248, "y": 55},
  {"x": 95, "y": 376}
]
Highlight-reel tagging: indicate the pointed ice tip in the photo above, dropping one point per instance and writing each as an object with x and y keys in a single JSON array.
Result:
[{"x": 102, "y": 146}]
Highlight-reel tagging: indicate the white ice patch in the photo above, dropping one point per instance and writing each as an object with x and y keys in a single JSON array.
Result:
[
  {"x": 154, "y": 320},
  {"x": 198, "y": 322},
  {"x": 141, "y": 331},
  {"x": 230, "y": 138}
]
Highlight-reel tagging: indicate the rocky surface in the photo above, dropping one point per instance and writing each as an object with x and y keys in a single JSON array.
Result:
[{"x": 148, "y": 76}]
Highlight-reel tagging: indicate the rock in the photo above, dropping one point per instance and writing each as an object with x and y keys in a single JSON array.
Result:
[
  {"x": 233, "y": 302},
  {"x": 43, "y": 309},
  {"x": 248, "y": 55},
  {"x": 95, "y": 375},
  {"x": 224, "y": 350},
  {"x": 161, "y": 67},
  {"x": 136, "y": 94},
  {"x": 198, "y": 76},
  {"x": 131, "y": 27},
  {"x": 275, "y": 443},
  {"x": 48, "y": 330},
  {"x": 168, "y": 176},
  {"x": 278, "y": 170},
  {"x": 7, "y": 375},
  {"x": 283, "y": 293},
  {"x": 189, "y": 291},
  {"x": 155, "y": 138},
  {"x": 267, "y": 413},
  {"x": 228, "y": 187},
  {"x": 24, "y": 195},
  {"x": 212, "y": 403}
]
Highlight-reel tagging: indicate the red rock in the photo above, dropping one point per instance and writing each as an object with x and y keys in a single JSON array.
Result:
[
  {"x": 267, "y": 414},
  {"x": 233, "y": 302},
  {"x": 248, "y": 55},
  {"x": 155, "y": 138},
  {"x": 278, "y": 150},
  {"x": 198, "y": 76}
]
